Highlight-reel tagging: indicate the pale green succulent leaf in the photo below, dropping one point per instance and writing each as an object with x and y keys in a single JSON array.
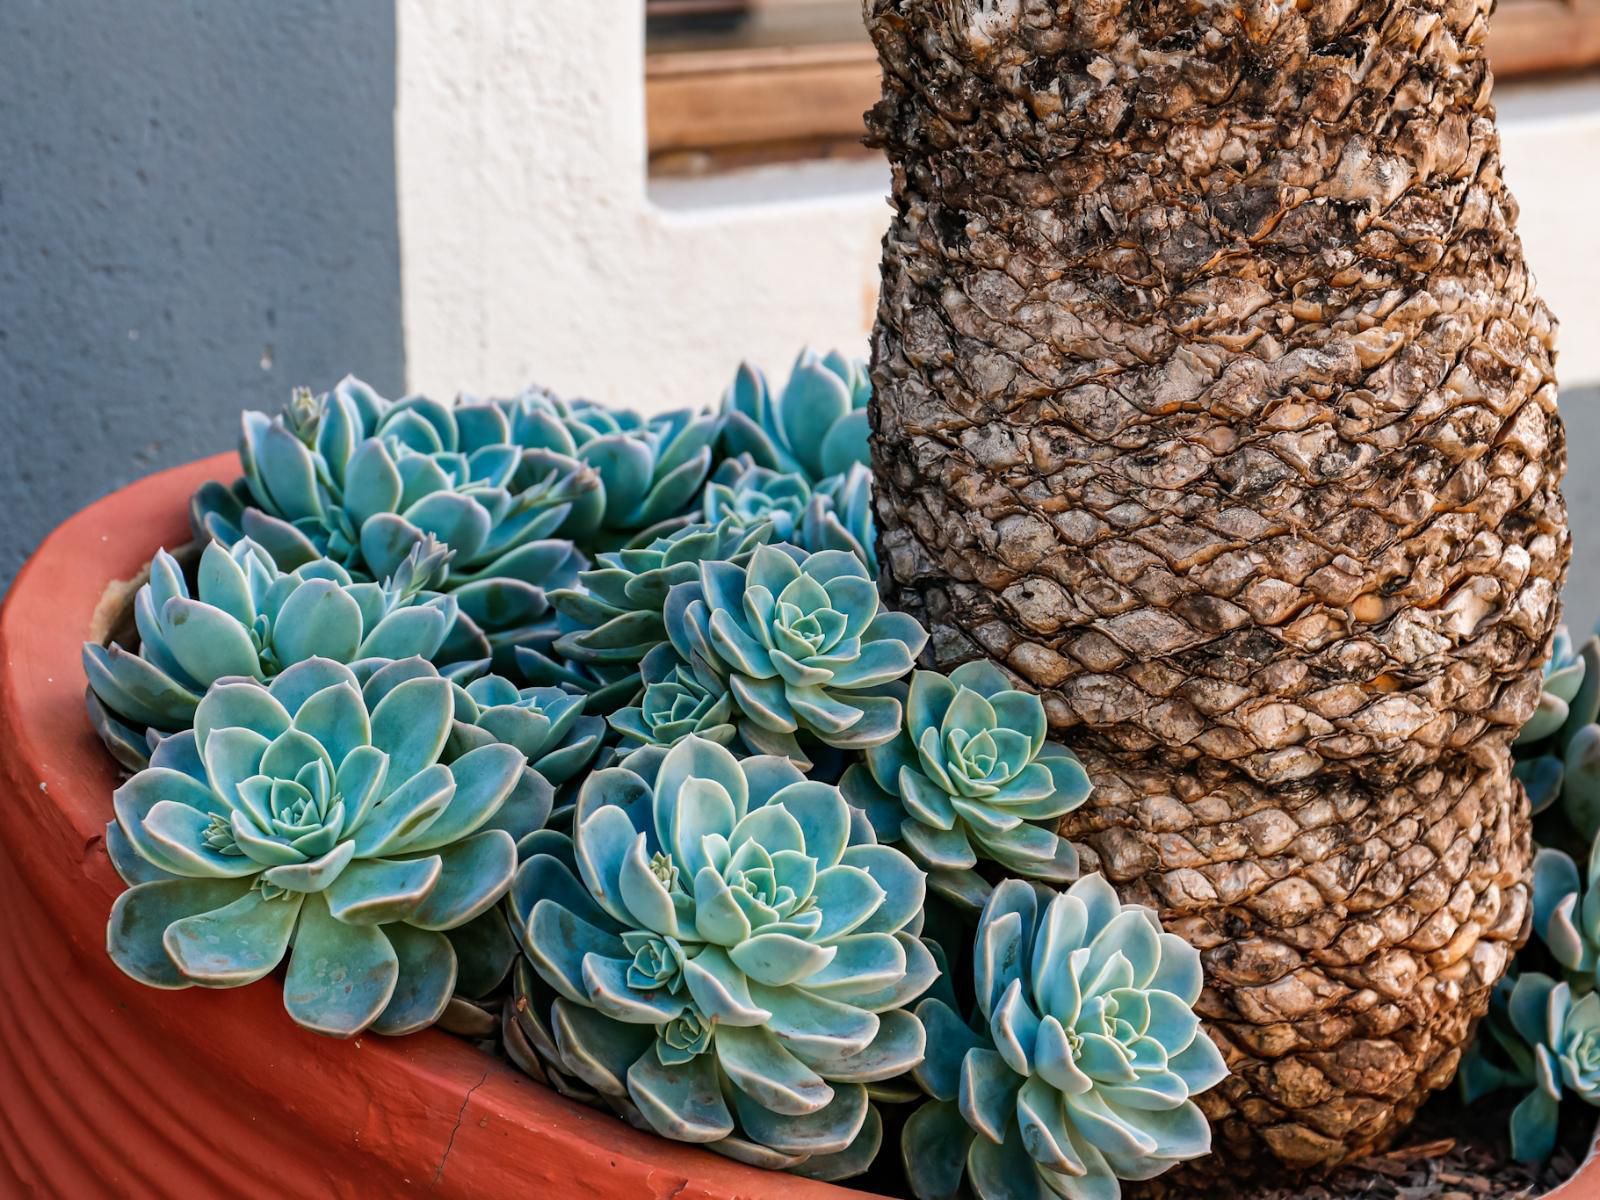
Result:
[{"x": 341, "y": 977}]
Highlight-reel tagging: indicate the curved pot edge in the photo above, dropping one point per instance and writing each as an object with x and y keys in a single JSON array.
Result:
[{"x": 104, "y": 1086}]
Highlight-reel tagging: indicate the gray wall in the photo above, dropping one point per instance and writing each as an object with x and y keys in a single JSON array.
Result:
[
  {"x": 197, "y": 212},
  {"x": 1580, "y": 411}
]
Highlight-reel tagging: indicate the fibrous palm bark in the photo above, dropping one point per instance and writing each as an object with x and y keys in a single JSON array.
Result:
[{"x": 1214, "y": 402}]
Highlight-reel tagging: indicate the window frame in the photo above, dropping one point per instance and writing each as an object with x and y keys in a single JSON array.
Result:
[{"x": 713, "y": 109}]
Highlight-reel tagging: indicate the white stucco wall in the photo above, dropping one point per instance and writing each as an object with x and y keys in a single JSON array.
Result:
[{"x": 534, "y": 249}]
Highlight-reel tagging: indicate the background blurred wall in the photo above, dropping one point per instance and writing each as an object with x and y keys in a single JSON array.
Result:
[{"x": 197, "y": 211}]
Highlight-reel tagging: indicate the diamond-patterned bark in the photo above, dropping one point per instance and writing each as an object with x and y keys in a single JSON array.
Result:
[{"x": 1213, "y": 401}]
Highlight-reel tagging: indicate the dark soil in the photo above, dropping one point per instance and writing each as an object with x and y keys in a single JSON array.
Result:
[{"x": 1449, "y": 1154}]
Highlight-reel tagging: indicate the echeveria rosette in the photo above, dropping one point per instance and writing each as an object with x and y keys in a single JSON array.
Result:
[
  {"x": 1081, "y": 1063},
  {"x": 815, "y": 426},
  {"x": 972, "y": 777},
  {"x": 751, "y": 496},
  {"x": 307, "y": 817},
  {"x": 730, "y": 954},
  {"x": 614, "y": 614},
  {"x": 801, "y": 643},
  {"x": 650, "y": 469},
  {"x": 548, "y": 725},
  {"x": 359, "y": 479},
  {"x": 673, "y": 705},
  {"x": 247, "y": 617},
  {"x": 1564, "y": 1034}
]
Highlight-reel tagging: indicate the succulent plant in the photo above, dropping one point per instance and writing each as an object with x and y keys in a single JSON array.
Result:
[
  {"x": 546, "y": 724},
  {"x": 1082, "y": 1061},
  {"x": 356, "y": 478},
  {"x": 1566, "y": 913},
  {"x": 1563, "y": 1034},
  {"x": 1558, "y": 750},
  {"x": 311, "y": 817},
  {"x": 674, "y": 705},
  {"x": 839, "y": 517},
  {"x": 750, "y": 495},
  {"x": 729, "y": 954},
  {"x": 651, "y": 469},
  {"x": 972, "y": 777},
  {"x": 249, "y": 618},
  {"x": 816, "y": 426},
  {"x": 801, "y": 643},
  {"x": 614, "y": 615}
]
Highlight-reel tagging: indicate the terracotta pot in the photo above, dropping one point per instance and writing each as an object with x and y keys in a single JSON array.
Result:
[{"x": 108, "y": 1088}]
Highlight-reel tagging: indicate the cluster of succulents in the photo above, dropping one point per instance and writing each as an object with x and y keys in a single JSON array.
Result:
[
  {"x": 597, "y": 722},
  {"x": 249, "y": 618},
  {"x": 1541, "y": 1037}
]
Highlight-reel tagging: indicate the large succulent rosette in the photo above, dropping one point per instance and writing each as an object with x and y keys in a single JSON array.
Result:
[
  {"x": 1079, "y": 1066},
  {"x": 312, "y": 818},
  {"x": 729, "y": 954}
]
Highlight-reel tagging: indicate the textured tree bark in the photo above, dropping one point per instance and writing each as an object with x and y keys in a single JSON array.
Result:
[{"x": 1214, "y": 402}]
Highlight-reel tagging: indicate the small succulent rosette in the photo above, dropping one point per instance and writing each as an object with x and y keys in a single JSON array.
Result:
[
  {"x": 728, "y": 955},
  {"x": 354, "y": 477},
  {"x": 548, "y": 725},
  {"x": 1563, "y": 1033},
  {"x": 312, "y": 818},
  {"x": 614, "y": 615},
  {"x": 802, "y": 644},
  {"x": 673, "y": 706},
  {"x": 1079, "y": 1066},
  {"x": 816, "y": 426},
  {"x": 249, "y": 618},
  {"x": 969, "y": 778},
  {"x": 650, "y": 469}
]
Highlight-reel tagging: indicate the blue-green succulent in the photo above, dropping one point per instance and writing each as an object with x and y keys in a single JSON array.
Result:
[
  {"x": 1563, "y": 1033},
  {"x": 311, "y": 817},
  {"x": 750, "y": 495},
  {"x": 802, "y": 644},
  {"x": 839, "y": 517},
  {"x": 815, "y": 426},
  {"x": 1558, "y": 751},
  {"x": 1081, "y": 1063},
  {"x": 673, "y": 705},
  {"x": 614, "y": 615},
  {"x": 354, "y": 477},
  {"x": 972, "y": 777},
  {"x": 729, "y": 954},
  {"x": 650, "y": 469},
  {"x": 548, "y": 725},
  {"x": 1566, "y": 913},
  {"x": 249, "y": 618}
]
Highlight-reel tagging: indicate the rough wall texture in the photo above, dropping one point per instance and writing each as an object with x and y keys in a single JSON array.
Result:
[
  {"x": 1214, "y": 401},
  {"x": 197, "y": 212}
]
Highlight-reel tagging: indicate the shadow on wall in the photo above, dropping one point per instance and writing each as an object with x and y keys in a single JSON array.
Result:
[
  {"x": 1580, "y": 412},
  {"x": 197, "y": 213}
]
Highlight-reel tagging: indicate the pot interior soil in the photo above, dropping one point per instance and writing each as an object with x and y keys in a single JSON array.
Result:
[{"x": 1450, "y": 1153}]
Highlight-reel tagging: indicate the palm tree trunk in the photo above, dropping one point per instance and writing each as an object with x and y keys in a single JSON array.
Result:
[{"x": 1213, "y": 400}]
